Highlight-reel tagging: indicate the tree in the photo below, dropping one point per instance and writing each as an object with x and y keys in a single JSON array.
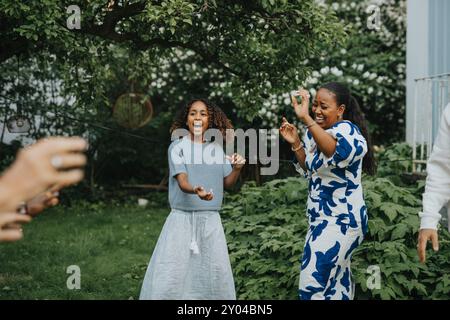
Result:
[
  {"x": 256, "y": 45},
  {"x": 237, "y": 53}
]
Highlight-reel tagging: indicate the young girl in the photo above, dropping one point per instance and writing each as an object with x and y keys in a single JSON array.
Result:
[
  {"x": 335, "y": 150},
  {"x": 190, "y": 260}
]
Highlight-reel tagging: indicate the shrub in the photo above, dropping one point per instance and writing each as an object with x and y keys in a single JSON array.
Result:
[{"x": 266, "y": 228}]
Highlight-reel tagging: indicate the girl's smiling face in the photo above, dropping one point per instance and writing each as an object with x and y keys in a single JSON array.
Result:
[
  {"x": 198, "y": 118},
  {"x": 325, "y": 109}
]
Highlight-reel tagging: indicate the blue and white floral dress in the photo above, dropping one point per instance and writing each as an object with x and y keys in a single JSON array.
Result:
[{"x": 336, "y": 212}]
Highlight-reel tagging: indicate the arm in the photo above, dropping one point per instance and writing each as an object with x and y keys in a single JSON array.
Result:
[
  {"x": 230, "y": 180},
  {"x": 289, "y": 133},
  {"x": 238, "y": 163},
  {"x": 437, "y": 188},
  {"x": 300, "y": 154},
  {"x": 185, "y": 186},
  {"x": 325, "y": 142}
]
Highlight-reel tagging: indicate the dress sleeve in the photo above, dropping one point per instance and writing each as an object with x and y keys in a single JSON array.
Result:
[
  {"x": 437, "y": 187},
  {"x": 351, "y": 146}
]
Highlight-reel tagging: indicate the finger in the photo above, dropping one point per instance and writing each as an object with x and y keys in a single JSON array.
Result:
[
  {"x": 294, "y": 101},
  {"x": 54, "y": 202},
  {"x": 284, "y": 120},
  {"x": 10, "y": 235},
  {"x": 70, "y": 177},
  {"x": 434, "y": 241},
  {"x": 11, "y": 226},
  {"x": 64, "y": 144},
  {"x": 6, "y": 218},
  {"x": 72, "y": 161},
  {"x": 421, "y": 249},
  {"x": 51, "y": 202}
]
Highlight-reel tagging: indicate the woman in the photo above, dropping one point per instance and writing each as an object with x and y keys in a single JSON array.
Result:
[{"x": 335, "y": 150}]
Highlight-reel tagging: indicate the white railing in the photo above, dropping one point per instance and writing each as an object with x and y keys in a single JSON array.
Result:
[{"x": 431, "y": 95}]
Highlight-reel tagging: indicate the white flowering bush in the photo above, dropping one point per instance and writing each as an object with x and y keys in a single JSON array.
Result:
[{"x": 372, "y": 62}]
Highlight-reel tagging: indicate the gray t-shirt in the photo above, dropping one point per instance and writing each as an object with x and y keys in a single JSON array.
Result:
[{"x": 205, "y": 165}]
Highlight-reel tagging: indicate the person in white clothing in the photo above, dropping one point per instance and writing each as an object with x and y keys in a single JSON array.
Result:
[{"x": 437, "y": 188}]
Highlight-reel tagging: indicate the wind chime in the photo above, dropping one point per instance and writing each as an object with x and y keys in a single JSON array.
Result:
[{"x": 133, "y": 110}]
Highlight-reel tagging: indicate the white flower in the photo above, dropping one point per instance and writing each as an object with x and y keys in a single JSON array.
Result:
[
  {"x": 343, "y": 51},
  {"x": 360, "y": 67},
  {"x": 325, "y": 70},
  {"x": 287, "y": 101},
  {"x": 366, "y": 74},
  {"x": 369, "y": 90},
  {"x": 380, "y": 79},
  {"x": 262, "y": 111},
  {"x": 344, "y": 63},
  {"x": 356, "y": 82},
  {"x": 315, "y": 74},
  {"x": 354, "y": 66},
  {"x": 372, "y": 76},
  {"x": 335, "y": 6}
]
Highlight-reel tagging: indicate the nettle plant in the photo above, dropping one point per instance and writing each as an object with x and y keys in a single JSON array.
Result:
[{"x": 266, "y": 226}]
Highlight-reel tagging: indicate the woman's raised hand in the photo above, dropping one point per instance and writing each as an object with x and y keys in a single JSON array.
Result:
[
  {"x": 289, "y": 132},
  {"x": 301, "y": 110}
]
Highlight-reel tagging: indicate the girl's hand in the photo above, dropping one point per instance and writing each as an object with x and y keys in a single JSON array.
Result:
[
  {"x": 202, "y": 194},
  {"x": 301, "y": 111},
  {"x": 237, "y": 161},
  {"x": 289, "y": 132}
]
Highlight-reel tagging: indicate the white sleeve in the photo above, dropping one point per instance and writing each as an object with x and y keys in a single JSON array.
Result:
[{"x": 437, "y": 187}]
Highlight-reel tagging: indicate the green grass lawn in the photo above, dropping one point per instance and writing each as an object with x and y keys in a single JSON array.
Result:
[{"x": 112, "y": 245}]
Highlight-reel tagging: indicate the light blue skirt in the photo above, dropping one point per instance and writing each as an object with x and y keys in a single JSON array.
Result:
[{"x": 190, "y": 260}]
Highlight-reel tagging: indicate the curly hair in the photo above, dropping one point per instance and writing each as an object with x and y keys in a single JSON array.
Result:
[{"x": 217, "y": 119}]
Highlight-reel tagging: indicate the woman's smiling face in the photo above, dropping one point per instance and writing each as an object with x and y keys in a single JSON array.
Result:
[
  {"x": 325, "y": 109},
  {"x": 198, "y": 118}
]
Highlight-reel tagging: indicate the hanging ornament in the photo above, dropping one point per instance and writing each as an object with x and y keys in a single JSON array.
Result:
[{"x": 133, "y": 110}]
